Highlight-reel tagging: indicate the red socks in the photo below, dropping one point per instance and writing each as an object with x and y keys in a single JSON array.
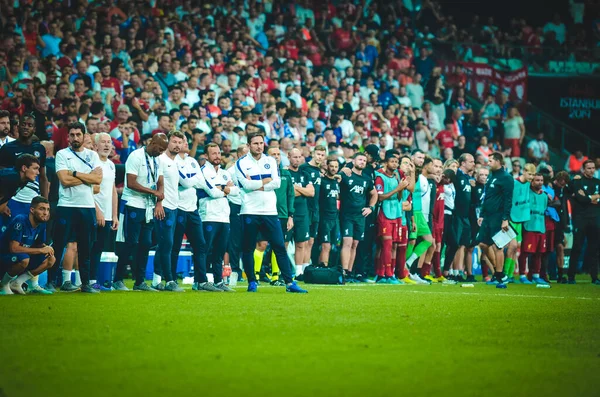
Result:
[
  {"x": 426, "y": 269},
  {"x": 386, "y": 258},
  {"x": 436, "y": 264},
  {"x": 401, "y": 271}
]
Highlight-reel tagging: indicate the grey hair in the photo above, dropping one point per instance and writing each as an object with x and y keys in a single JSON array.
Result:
[{"x": 100, "y": 135}]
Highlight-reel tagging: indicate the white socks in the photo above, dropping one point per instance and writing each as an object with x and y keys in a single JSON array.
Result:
[
  {"x": 156, "y": 279},
  {"x": 66, "y": 275},
  {"x": 411, "y": 259},
  {"x": 35, "y": 281},
  {"x": 77, "y": 278},
  {"x": 299, "y": 270},
  {"x": 22, "y": 279}
]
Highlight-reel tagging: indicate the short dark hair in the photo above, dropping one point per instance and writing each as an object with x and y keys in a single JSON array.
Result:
[
  {"x": 359, "y": 154},
  {"x": 254, "y": 135},
  {"x": 562, "y": 176},
  {"x": 77, "y": 126},
  {"x": 428, "y": 160},
  {"x": 331, "y": 159},
  {"x": 586, "y": 162},
  {"x": 209, "y": 145},
  {"x": 37, "y": 200},
  {"x": 25, "y": 160},
  {"x": 4, "y": 113},
  {"x": 497, "y": 156}
]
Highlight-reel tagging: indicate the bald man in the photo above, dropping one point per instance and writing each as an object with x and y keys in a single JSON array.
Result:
[
  {"x": 143, "y": 188},
  {"x": 303, "y": 189}
]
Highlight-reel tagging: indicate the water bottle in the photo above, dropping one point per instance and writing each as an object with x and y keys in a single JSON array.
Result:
[{"x": 542, "y": 286}]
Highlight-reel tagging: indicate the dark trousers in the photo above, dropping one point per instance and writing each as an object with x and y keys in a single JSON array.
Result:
[
  {"x": 165, "y": 230},
  {"x": 585, "y": 227},
  {"x": 102, "y": 235},
  {"x": 190, "y": 224},
  {"x": 234, "y": 244},
  {"x": 54, "y": 270},
  {"x": 216, "y": 235},
  {"x": 135, "y": 249},
  {"x": 79, "y": 225},
  {"x": 270, "y": 229},
  {"x": 451, "y": 242},
  {"x": 365, "y": 251}
]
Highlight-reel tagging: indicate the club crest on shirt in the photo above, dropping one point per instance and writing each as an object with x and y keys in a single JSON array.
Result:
[
  {"x": 267, "y": 166},
  {"x": 36, "y": 153},
  {"x": 18, "y": 226}
]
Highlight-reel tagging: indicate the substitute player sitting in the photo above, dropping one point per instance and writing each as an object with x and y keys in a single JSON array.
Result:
[{"x": 23, "y": 252}]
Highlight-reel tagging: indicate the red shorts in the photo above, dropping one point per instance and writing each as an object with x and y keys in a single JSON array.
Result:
[
  {"x": 550, "y": 236},
  {"x": 438, "y": 234},
  {"x": 533, "y": 242},
  {"x": 403, "y": 238},
  {"x": 388, "y": 227},
  {"x": 514, "y": 145}
]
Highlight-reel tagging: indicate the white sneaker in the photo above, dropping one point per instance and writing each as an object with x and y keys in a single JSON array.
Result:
[
  {"x": 416, "y": 278},
  {"x": 16, "y": 288}
]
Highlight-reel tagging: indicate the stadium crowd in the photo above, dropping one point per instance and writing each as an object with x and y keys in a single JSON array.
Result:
[{"x": 245, "y": 126}]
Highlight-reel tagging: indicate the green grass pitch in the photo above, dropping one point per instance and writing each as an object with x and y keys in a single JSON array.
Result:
[{"x": 353, "y": 340}]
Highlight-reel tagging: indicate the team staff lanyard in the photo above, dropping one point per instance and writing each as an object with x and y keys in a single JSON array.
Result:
[
  {"x": 82, "y": 159},
  {"x": 152, "y": 172}
]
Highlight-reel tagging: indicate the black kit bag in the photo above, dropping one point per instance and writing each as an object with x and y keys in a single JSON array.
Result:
[{"x": 323, "y": 275}]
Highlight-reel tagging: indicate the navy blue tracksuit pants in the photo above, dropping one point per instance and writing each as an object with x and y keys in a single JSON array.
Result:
[
  {"x": 190, "y": 224},
  {"x": 270, "y": 228},
  {"x": 216, "y": 235}
]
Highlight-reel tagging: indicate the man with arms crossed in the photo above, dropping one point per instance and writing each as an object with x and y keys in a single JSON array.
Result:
[
  {"x": 258, "y": 176},
  {"x": 313, "y": 170},
  {"x": 303, "y": 190},
  {"x": 285, "y": 211},
  {"x": 214, "y": 211},
  {"x": 77, "y": 169}
]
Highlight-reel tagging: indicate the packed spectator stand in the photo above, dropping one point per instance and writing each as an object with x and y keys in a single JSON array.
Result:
[{"x": 344, "y": 75}]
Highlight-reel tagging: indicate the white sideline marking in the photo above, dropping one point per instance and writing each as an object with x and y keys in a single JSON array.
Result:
[{"x": 454, "y": 293}]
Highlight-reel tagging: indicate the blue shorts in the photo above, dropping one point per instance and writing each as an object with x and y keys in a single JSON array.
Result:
[{"x": 7, "y": 260}]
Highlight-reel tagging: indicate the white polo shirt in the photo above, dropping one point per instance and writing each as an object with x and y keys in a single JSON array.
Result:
[
  {"x": 147, "y": 171},
  {"x": 171, "y": 181},
  {"x": 81, "y": 196},
  {"x": 105, "y": 196}
]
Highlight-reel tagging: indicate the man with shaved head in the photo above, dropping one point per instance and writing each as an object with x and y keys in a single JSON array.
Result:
[
  {"x": 143, "y": 188},
  {"x": 303, "y": 189}
]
